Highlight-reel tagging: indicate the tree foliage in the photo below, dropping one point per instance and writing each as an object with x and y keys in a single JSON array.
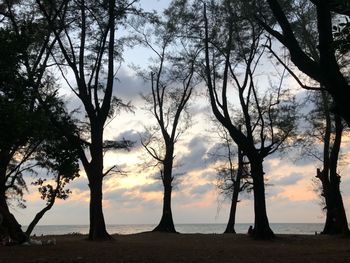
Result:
[
  {"x": 29, "y": 107},
  {"x": 326, "y": 70}
]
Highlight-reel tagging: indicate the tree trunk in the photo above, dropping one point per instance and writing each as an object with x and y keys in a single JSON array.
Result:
[
  {"x": 94, "y": 172},
  {"x": 340, "y": 222},
  {"x": 10, "y": 224},
  {"x": 97, "y": 223},
  {"x": 37, "y": 218},
  {"x": 230, "y": 228},
  {"x": 48, "y": 206},
  {"x": 336, "y": 221},
  {"x": 262, "y": 228},
  {"x": 166, "y": 223},
  {"x": 323, "y": 177}
]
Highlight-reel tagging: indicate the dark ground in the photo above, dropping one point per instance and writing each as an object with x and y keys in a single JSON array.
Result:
[{"x": 158, "y": 247}]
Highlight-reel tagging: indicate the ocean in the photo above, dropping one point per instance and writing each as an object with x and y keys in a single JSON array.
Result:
[{"x": 278, "y": 228}]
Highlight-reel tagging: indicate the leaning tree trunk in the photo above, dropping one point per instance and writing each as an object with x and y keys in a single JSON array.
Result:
[
  {"x": 262, "y": 228},
  {"x": 38, "y": 216},
  {"x": 48, "y": 206},
  {"x": 166, "y": 223},
  {"x": 230, "y": 228}
]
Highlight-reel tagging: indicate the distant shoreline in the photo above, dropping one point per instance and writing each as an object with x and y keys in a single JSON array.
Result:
[{"x": 278, "y": 228}]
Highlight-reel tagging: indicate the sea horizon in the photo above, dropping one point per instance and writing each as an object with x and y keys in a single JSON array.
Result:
[{"x": 184, "y": 228}]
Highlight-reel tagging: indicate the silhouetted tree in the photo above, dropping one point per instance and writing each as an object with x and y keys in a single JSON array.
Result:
[
  {"x": 232, "y": 176},
  {"x": 327, "y": 128},
  {"x": 85, "y": 33},
  {"x": 59, "y": 159},
  {"x": 326, "y": 125},
  {"x": 25, "y": 46},
  {"x": 172, "y": 82},
  {"x": 326, "y": 69},
  {"x": 232, "y": 44}
]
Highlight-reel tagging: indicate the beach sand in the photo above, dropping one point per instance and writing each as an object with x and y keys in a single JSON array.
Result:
[{"x": 161, "y": 247}]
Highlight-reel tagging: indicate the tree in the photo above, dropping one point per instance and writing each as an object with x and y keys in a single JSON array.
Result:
[
  {"x": 172, "y": 82},
  {"x": 232, "y": 177},
  {"x": 232, "y": 46},
  {"x": 326, "y": 70},
  {"x": 60, "y": 159},
  {"x": 85, "y": 33},
  {"x": 25, "y": 46},
  {"x": 327, "y": 128},
  {"x": 26, "y": 145}
]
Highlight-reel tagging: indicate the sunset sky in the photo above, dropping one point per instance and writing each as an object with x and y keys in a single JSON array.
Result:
[{"x": 136, "y": 198}]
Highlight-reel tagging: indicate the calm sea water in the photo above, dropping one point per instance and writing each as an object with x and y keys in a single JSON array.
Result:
[{"x": 280, "y": 228}]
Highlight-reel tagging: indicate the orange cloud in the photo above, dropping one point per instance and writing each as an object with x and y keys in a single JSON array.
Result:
[
  {"x": 33, "y": 196},
  {"x": 79, "y": 196},
  {"x": 298, "y": 193}
]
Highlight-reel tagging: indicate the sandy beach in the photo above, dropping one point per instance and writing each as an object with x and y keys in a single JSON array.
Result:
[{"x": 159, "y": 247}]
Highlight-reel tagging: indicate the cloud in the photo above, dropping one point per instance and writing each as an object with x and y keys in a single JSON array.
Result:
[
  {"x": 345, "y": 143},
  {"x": 286, "y": 210},
  {"x": 116, "y": 195},
  {"x": 306, "y": 160},
  {"x": 345, "y": 186},
  {"x": 125, "y": 198},
  {"x": 131, "y": 199},
  {"x": 131, "y": 135},
  {"x": 201, "y": 189},
  {"x": 296, "y": 193},
  {"x": 79, "y": 183},
  {"x": 128, "y": 85},
  {"x": 290, "y": 179},
  {"x": 217, "y": 150},
  {"x": 200, "y": 109},
  {"x": 209, "y": 175},
  {"x": 152, "y": 187},
  {"x": 196, "y": 157},
  {"x": 273, "y": 191}
]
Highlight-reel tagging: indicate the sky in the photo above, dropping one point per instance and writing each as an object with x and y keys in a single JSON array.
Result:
[{"x": 136, "y": 197}]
